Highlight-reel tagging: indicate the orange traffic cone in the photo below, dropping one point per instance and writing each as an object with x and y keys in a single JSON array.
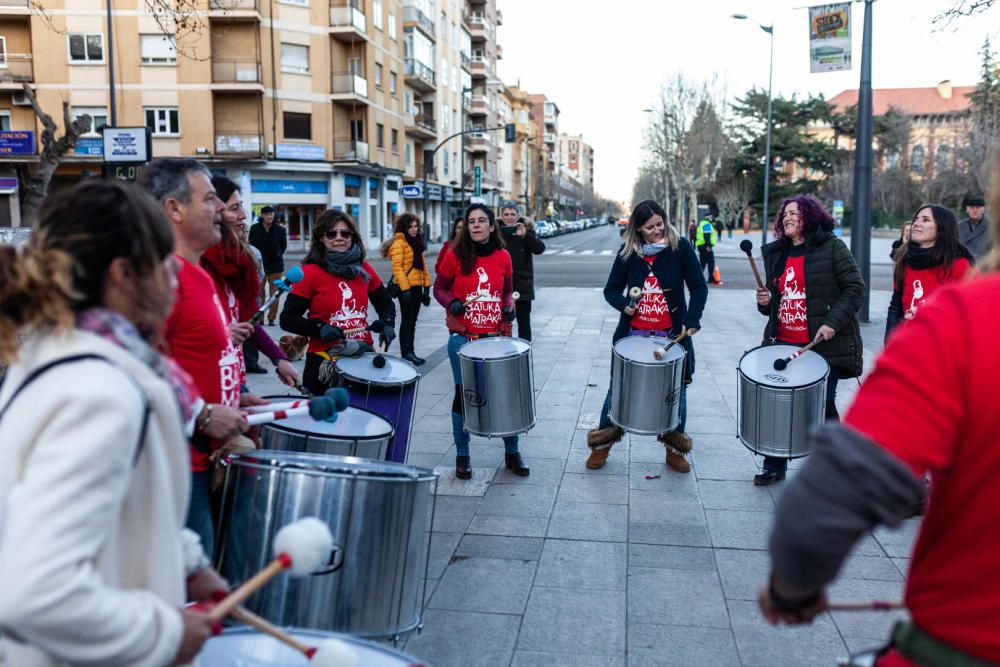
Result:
[{"x": 717, "y": 277}]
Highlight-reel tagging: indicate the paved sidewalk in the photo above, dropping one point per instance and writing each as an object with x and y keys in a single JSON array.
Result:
[{"x": 632, "y": 564}]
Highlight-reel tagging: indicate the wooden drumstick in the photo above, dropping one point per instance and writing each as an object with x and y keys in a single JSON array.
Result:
[
  {"x": 376, "y": 327},
  {"x": 781, "y": 364},
  {"x": 472, "y": 299},
  {"x": 253, "y": 620},
  {"x": 662, "y": 352},
  {"x": 747, "y": 246},
  {"x": 867, "y": 605}
]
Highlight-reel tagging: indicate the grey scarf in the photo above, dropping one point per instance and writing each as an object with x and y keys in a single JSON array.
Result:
[{"x": 345, "y": 264}]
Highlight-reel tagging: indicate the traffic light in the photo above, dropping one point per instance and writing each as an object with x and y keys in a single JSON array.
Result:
[{"x": 509, "y": 133}]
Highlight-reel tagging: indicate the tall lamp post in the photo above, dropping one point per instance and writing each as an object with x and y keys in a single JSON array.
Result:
[
  {"x": 861, "y": 230},
  {"x": 769, "y": 29}
]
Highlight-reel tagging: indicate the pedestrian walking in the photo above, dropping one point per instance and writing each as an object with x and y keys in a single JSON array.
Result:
[
  {"x": 476, "y": 287},
  {"x": 730, "y": 226},
  {"x": 523, "y": 245},
  {"x": 330, "y": 304},
  {"x": 705, "y": 241},
  {"x": 272, "y": 241},
  {"x": 456, "y": 228},
  {"x": 974, "y": 230},
  {"x": 654, "y": 259},
  {"x": 813, "y": 290},
  {"x": 412, "y": 279},
  {"x": 933, "y": 257},
  {"x": 95, "y": 566}
]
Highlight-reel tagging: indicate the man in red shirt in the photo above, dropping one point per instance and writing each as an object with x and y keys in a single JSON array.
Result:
[
  {"x": 197, "y": 333},
  {"x": 927, "y": 408}
]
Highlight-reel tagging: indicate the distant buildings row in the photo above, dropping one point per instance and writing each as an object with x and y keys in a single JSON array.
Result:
[{"x": 308, "y": 104}]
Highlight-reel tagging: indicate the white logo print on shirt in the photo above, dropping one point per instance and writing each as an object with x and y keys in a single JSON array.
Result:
[
  {"x": 916, "y": 301},
  {"x": 349, "y": 316}
]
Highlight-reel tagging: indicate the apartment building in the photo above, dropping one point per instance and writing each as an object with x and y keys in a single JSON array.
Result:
[
  {"x": 576, "y": 160},
  {"x": 304, "y": 108},
  {"x": 519, "y": 160},
  {"x": 483, "y": 113},
  {"x": 545, "y": 116}
]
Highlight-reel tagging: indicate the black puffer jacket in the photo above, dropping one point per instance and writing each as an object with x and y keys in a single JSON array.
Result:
[
  {"x": 834, "y": 292},
  {"x": 522, "y": 249}
]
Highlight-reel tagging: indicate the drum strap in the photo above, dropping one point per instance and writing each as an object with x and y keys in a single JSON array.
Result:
[
  {"x": 41, "y": 370},
  {"x": 916, "y": 645}
]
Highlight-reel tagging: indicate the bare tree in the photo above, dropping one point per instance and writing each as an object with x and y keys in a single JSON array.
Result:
[
  {"x": 959, "y": 9},
  {"x": 35, "y": 184},
  {"x": 733, "y": 196}
]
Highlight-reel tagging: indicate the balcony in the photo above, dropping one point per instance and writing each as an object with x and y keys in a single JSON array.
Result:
[
  {"x": 17, "y": 70},
  {"x": 480, "y": 67},
  {"x": 14, "y": 8},
  {"x": 348, "y": 149},
  {"x": 550, "y": 118},
  {"x": 421, "y": 126},
  {"x": 236, "y": 74},
  {"x": 230, "y": 9},
  {"x": 238, "y": 143},
  {"x": 466, "y": 61},
  {"x": 477, "y": 142},
  {"x": 419, "y": 75},
  {"x": 413, "y": 16},
  {"x": 550, "y": 138},
  {"x": 499, "y": 52},
  {"x": 347, "y": 23},
  {"x": 480, "y": 27},
  {"x": 499, "y": 17},
  {"x": 349, "y": 87},
  {"x": 479, "y": 105}
]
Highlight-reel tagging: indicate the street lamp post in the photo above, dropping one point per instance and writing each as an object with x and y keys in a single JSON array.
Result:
[
  {"x": 861, "y": 231},
  {"x": 769, "y": 29}
]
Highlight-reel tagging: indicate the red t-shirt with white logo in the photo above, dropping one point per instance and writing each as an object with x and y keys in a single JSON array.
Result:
[
  {"x": 793, "y": 324},
  {"x": 197, "y": 337},
  {"x": 338, "y": 301},
  {"x": 918, "y": 284},
  {"x": 652, "y": 312},
  {"x": 485, "y": 284}
]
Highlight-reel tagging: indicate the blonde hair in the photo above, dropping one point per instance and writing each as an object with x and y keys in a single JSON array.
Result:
[{"x": 641, "y": 213}]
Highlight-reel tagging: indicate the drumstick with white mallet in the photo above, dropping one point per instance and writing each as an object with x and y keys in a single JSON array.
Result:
[
  {"x": 321, "y": 408},
  {"x": 634, "y": 294},
  {"x": 661, "y": 352},
  {"x": 746, "y": 245},
  {"x": 301, "y": 547},
  {"x": 329, "y": 653},
  {"x": 293, "y": 276},
  {"x": 338, "y": 395},
  {"x": 781, "y": 364}
]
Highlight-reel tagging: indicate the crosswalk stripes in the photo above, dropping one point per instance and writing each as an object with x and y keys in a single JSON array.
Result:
[
  {"x": 587, "y": 252},
  {"x": 560, "y": 251}
]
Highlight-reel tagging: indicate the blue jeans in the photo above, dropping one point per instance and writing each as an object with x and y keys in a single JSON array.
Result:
[
  {"x": 199, "y": 518},
  {"x": 462, "y": 438},
  {"x": 779, "y": 464}
]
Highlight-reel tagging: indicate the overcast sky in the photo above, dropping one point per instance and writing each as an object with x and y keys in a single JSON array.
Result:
[{"x": 602, "y": 62}]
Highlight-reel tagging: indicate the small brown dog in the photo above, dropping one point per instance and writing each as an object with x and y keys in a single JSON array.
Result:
[{"x": 293, "y": 346}]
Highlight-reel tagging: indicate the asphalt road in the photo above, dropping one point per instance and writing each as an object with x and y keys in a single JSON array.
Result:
[{"x": 583, "y": 259}]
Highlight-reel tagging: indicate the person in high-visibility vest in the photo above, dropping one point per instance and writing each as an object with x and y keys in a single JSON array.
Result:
[{"x": 705, "y": 240}]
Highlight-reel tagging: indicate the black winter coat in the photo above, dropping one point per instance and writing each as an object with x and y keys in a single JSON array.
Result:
[
  {"x": 834, "y": 293},
  {"x": 522, "y": 249},
  {"x": 673, "y": 270},
  {"x": 272, "y": 244}
]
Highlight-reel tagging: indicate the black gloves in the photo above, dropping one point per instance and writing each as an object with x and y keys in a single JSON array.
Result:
[
  {"x": 387, "y": 336},
  {"x": 508, "y": 314},
  {"x": 426, "y": 298},
  {"x": 456, "y": 308},
  {"x": 330, "y": 333}
]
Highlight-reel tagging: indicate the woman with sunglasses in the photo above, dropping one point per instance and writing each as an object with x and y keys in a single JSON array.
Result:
[
  {"x": 409, "y": 271},
  {"x": 476, "y": 287},
  {"x": 335, "y": 290},
  {"x": 930, "y": 258}
]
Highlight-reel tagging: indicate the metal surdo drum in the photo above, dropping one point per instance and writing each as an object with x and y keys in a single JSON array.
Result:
[
  {"x": 777, "y": 410},
  {"x": 244, "y": 647},
  {"x": 379, "y": 514},
  {"x": 389, "y": 391},
  {"x": 356, "y": 432},
  {"x": 645, "y": 391},
  {"x": 498, "y": 390}
]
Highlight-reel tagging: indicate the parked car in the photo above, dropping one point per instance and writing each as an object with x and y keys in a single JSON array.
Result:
[{"x": 544, "y": 229}]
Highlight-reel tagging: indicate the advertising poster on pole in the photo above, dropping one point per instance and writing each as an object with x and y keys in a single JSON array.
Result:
[{"x": 830, "y": 37}]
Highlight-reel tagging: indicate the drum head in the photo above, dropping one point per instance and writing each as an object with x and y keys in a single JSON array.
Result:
[
  {"x": 498, "y": 347},
  {"x": 354, "y": 423},
  {"x": 395, "y": 372},
  {"x": 806, "y": 369},
  {"x": 640, "y": 349},
  {"x": 243, "y": 647},
  {"x": 331, "y": 465}
]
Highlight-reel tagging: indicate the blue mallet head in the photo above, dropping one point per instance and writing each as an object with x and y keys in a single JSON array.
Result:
[
  {"x": 322, "y": 408},
  {"x": 340, "y": 398},
  {"x": 294, "y": 275}
]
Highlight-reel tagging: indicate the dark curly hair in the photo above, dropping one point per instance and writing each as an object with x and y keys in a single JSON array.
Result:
[{"x": 814, "y": 216}]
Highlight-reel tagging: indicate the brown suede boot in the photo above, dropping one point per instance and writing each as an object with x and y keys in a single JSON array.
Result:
[
  {"x": 600, "y": 441},
  {"x": 677, "y": 439},
  {"x": 676, "y": 461},
  {"x": 598, "y": 455}
]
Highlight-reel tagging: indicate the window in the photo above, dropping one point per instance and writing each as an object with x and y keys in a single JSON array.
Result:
[
  {"x": 98, "y": 117},
  {"x": 300, "y": 3},
  {"x": 444, "y": 26},
  {"x": 943, "y": 158},
  {"x": 392, "y": 25},
  {"x": 394, "y": 141},
  {"x": 157, "y": 50},
  {"x": 445, "y": 165},
  {"x": 407, "y": 149},
  {"x": 446, "y": 118},
  {"x": 5, "y": 123},
  {"x": 357, "y": 130},
  {"x": 298, "y": 125},
  {"x": 378, "y": 75},
  {"x": 295, "y": 58},
  {"x": 392, "y": 83},
  {"x": 86, "y": 47},
  {"x": 917, "y": 159},
  {"x": 3, "y": 51},
  {"x": 355, "y": 67},
  {"x": 379, "y": 135},
  {"x": 163, "y": 121},
  {"x": 444, "y": 71},
  {"x": 377, "y": 11}
]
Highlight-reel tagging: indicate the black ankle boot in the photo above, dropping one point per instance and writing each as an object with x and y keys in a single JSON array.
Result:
[
  {"x": 831, "y": 412},
  {"x": 463, "y": 467},
  {"x": 516, "y": 463},
  {"x": 768, "y": 477}
]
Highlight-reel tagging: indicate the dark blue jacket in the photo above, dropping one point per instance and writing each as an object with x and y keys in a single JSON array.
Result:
[{"x": 673, "y": 270}]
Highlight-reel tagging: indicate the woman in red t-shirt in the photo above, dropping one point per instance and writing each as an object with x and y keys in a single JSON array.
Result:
[
  {"x": 336, "y": 286},
  {"x": 932, "y": 257},
  {"x": 813, "y": 292},
  {"x": 475, "y": 284}
]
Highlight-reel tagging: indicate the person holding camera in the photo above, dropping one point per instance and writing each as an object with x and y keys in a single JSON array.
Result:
[{"x": 522, "y": 244}]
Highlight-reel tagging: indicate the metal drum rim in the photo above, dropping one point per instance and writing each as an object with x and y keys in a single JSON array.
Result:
[
  {"x": 739, "y": 369},
  {"x": 654, "y": 364},
  {"x": 321, "y": 635},
  {"x": 757, "y": 452},
  {"x": 380, "y": 383},
  {"x": 503, "y": 435},
  {"x": 255, "y": 460},
  {"x": 512, "y": 356},
  {"x": 782, "y": 387},
  {"x": 278, "y": 426}
]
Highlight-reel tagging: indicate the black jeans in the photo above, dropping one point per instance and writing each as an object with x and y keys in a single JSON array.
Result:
[
  {"x": 523, "y": 311},
  {"x": 707, "y": 257},
  {"x": 408, "y": 316},
  {"x": 251, "y": 355}
]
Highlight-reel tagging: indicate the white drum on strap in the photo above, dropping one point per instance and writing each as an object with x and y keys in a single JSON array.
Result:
[
  {"x": 778, "y": 410},
  {"x": 645, "y": 391}
]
